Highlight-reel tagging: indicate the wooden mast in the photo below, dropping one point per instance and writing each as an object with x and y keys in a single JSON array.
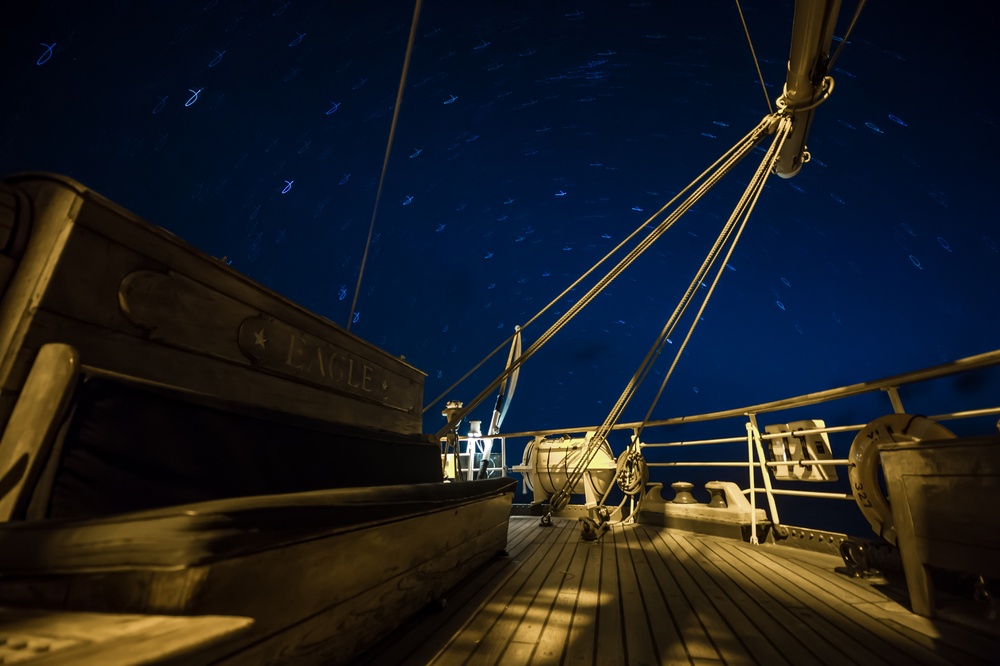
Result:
[{"x": 812, "y": 33}]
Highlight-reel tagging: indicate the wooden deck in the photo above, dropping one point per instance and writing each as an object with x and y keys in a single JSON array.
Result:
[{"x": 648, "y": 595}]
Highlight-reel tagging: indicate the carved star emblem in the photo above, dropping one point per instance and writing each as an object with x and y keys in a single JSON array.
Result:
[{"x": 259, "y": 339}]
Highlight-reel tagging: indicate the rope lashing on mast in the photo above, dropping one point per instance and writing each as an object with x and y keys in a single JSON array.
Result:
[
  {"x": 740, "y": 216},
  {"x": 825, "y": 90},
  {"x": 708, "y": 180}
]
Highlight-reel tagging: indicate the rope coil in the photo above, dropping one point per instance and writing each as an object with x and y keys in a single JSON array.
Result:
[{"x": 632, "y": 472}]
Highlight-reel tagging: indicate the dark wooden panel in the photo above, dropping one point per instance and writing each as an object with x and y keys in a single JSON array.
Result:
[
  {"x": 943, "y": 496},
  {"x": 310, "y": 595},
  {"x": 420, "y": 639},
  {"x": 52, "y": 207},
  {"x": 138, "y": 301},
  {"x": 132, "y": 357}
]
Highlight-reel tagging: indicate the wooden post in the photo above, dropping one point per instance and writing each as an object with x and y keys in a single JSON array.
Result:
[{"x": 29, "y": 434}]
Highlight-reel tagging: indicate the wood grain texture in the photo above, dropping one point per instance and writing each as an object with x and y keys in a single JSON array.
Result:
[
  {"x": 644, "y": 594},
  {"x": 944, "y": 496},
  {"x": 58, "y": 638}
]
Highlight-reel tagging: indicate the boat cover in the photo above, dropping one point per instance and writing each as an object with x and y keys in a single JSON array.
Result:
[{"x": 194, "y": 534}]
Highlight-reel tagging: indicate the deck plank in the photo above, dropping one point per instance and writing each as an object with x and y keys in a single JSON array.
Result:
[
  {"x": 517, "y": 629},
  {"x": 649, "y": 595},
  {"x": 850, "y": 590},
  {"x": 828, "y": 643},
  {"x": 668, "y": 643},
  {"x": 478, "y": 636},
  {"x": 684, "y": 621},
  {"x": 538, "y": 614},
  {"x": 736, "y": 616},
  {"x": 815, "y": 603},
  {"x": 818, "y": 592},
  {"x": 795, "y": 645},
  {"x": 522, "y": 533},
  {"x": 609, "y": 619},
  {"x": 728, "y": 645},
  {"x": 554, "y": 638},
  {"x": 640, "y": 649},
  {"x": 581, "y": 648}
]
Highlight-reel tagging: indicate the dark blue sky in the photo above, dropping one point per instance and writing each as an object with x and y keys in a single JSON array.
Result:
[{"x": 529, "y": 133}]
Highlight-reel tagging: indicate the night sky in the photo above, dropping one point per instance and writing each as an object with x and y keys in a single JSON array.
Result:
[{"x": 533, "y": 136}]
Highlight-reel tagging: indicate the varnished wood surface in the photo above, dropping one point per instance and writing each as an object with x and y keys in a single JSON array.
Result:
[
  {"x": 648, "y": 595},
  {"x": 62, "y": 637}
]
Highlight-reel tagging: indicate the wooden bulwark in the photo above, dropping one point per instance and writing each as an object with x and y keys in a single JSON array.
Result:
[
  {"x": 137, "y": 302},
  {"x": 649, "y": 595}
]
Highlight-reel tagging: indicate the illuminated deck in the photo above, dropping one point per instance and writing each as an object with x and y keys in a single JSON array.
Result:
[{"x": 647, "y": 595}]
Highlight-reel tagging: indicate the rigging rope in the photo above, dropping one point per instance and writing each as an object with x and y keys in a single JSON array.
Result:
[
  {"x": 770, "y": 109},
  {"x": 747, "y": 204},
  {"x": 730, "y": 159},
  {"x": 645, "y": 224},
  {"x": 847, "y": 35},
  {"x": 826, "y": 89},
  {"x": 385, "y": 161},
  {"x": 742, "y": 211}
]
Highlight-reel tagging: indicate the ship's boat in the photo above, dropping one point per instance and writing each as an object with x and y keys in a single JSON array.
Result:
[{"x": 219, "y": 473}]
